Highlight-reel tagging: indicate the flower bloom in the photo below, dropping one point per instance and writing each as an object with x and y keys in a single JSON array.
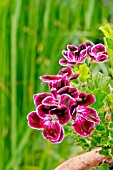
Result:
[
  {"x": 75, "y": 55},
  {"x": 51, "y": 130},
  {"x": 64, "y": 103},
  {"x": 98, "y": 53},
  {"x": 56, "y": 109}
]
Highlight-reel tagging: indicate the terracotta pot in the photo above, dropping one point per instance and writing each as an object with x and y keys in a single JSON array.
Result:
[{"x": 84, "y": 161}]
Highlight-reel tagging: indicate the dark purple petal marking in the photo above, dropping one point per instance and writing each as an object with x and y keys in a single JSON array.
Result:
[
  {"x": 60, "y": 138},
  {"x": 62, "y": 113},
  {"x": 38, "y": 98},
  {"x": 73, "y": 92},
  {"x": 89, "y": 44},
  {"x": 86, "y": 99},
  {"x": 66, "y": 100},
  {"x": 52, "y": 131},
  {"x": 34, "y": 121},
  {"x": 65, "y": 53},
  {"x": 71, "y": 48},
  {"x": 83, "y": 127},
  {"x": 82, "y": 47},
  {"x": 49, "y": 101}
]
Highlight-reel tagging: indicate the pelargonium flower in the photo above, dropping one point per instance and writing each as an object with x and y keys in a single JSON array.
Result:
[
  {"x": 84, "y": 119},
  {"x": 63, "y": 78},
  {"x": 54, "y": 110},
  {"x": 51, "y": 130},
  {"x": 73, "y": 55},
  {"x": 65, "y": 72},
  {"x": 97, "y": 53}
]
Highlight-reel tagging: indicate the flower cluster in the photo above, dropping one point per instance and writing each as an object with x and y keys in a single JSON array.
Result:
[
  {"x": 64, "y": 103},
  {"x": 75, "y": 55}
]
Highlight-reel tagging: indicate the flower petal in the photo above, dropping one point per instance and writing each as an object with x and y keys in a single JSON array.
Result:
[
  {"x": 98, "y": 48},
  {"x": 66, "y": 71},
  {"x": 43, "y": 111},
  {"x": 61, "y": 83},
  {"x": 89, "y": 44},
  {"x": 71, "y": 48},
  {"x": 60, "y": 138},
  {"x": 74, "y": 76},
  {"x": 73, "y": 92},
  {"x": 86, "y": 99},
  {"x": 49, "y": 101},
  {"x": 34, "y": 121},
  {"x": 83, "y": 127},
  {"x": 101, "y": 58},
  {"x": 91, "y": 115},
  {"x": 50, "y": 78},
  {"x": 64, "y": 62},
  {"x": 52, "y": 131},
  {"x": 39, "y": 97},
  {"x": 82, "y": 47},
  {"x": 68, "y": 56},
  {"x": 66, "y": 100},
  {"x": 62, "y": 113}
]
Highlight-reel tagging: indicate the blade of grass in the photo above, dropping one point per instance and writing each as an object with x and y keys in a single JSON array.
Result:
[{"x": 14, "y": 22}]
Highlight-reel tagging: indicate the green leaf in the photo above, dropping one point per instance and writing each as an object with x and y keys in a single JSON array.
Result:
[
  {"x": 111, "y": 71},
  {"x": 108, "y": 32},
  {"x": 109, "y": 43},
  {"x": 84, "y": 72},
  {"x": 109, "y": 100},
  {"x": 101, "y": 167},
  {"x": 100, "y": 96},
  {"x": 100, "y": 81}
]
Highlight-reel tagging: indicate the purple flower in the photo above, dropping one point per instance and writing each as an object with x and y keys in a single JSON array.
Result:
[
  {"x": 98, "y": 53},
  {"x": 74, "y": 55},
  {"x": 65, "y": 73},
  {"x": 51, "y": 130},
  {"x": 84, "y": 119}
]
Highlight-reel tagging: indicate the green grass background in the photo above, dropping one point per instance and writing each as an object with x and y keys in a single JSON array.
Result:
[{"x": 32, "y": 35}]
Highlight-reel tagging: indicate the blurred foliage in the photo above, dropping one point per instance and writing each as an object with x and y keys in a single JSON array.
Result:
[
  {"x": 32, "y": 35},
  {"x": 102, "y": 167}
]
